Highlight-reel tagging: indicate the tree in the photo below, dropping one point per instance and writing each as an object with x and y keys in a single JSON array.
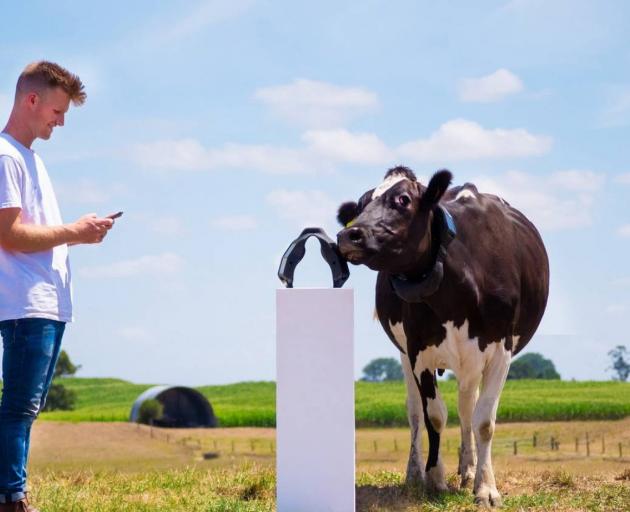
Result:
[
  {"x": 619, "y": 363},
  {"x": 65, "y": 367},
  {"x": 60, "y": 397},
  {"x": 532, "y": 366},
  {"x": 381, "y": 369}
]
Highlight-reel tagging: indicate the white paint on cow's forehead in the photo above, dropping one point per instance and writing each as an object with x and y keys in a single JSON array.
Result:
[
  {"x": 387, "y": 184},
  {"x": 464, "y": 194}
]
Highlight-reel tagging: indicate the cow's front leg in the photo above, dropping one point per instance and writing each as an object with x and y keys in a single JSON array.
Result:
[
  {"x": 468, "y": 387},
  {"x": 415, "y": 469},
  {"x": 435, "y": 416},
  {"x": 494, "y": 375}
]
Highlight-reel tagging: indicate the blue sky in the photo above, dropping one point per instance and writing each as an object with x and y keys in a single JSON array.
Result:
[{"x": 222, "y": 128}]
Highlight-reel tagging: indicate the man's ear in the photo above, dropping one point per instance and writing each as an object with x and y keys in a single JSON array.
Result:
[
  {"x": 347, "y": 213},
  {"x": 434, "y": 192}
]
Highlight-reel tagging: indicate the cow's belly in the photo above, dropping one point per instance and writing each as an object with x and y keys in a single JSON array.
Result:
[{"x": 457, "y": 352}]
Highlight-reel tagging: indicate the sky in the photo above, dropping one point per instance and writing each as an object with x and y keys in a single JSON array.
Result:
[{"x": 222, "y": 128}]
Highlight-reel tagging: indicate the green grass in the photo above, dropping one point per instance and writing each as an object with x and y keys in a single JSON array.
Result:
[{"x": 377, "y": 404}]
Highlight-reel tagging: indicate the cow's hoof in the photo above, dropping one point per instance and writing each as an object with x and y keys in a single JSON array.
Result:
[
  {"x": 436, "y": 480},
  {"x": 488, "y": 498}
]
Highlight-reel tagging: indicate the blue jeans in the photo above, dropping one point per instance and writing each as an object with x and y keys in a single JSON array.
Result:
[{"x": 31, "y": 349}]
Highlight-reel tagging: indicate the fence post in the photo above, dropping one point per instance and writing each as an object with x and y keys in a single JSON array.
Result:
[
  {"x": 588, "y": 446},
  {"x": 515, "y": 447},
  {"x": 620, "y": 451},
  {"x": 395, "y": 445},
  {"x": 552, "y": 443},
  {"x": 375, "y": 446},
  {"x": 603, "y": 444},
  {"x": 534, "y": 440},
  {"x": 577, "y": 444}
]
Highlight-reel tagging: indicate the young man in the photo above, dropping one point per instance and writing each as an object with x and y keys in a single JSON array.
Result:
[{"x": 35, "y": 293}]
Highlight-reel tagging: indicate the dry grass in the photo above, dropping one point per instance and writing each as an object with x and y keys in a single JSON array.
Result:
[{"x": 105, "y": 467}]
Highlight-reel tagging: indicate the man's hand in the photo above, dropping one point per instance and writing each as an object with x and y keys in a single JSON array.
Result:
[
  {"x": 91, "y": 229},
  {"x": 16, "y": 236}
]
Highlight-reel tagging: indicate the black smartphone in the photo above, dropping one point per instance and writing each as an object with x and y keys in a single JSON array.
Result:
[{"x": 114, "y": 215}]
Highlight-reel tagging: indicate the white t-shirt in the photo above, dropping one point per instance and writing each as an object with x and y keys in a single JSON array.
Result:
[{"x": 37, "y": 284}]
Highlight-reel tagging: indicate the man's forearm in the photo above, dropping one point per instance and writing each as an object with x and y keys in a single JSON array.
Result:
[{"x": 33, "y": 238}]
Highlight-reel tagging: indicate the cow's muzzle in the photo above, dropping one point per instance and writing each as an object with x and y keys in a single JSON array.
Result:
[{"x": 355, "y": 244}]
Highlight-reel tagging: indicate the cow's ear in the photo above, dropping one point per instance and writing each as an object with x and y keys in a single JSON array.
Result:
[
  {"x": 347, "y": 213},
  {"x": 436, "y": 188}
]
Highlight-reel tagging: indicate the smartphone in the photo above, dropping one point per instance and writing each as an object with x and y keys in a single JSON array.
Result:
[{"x": 114, "y": 215}]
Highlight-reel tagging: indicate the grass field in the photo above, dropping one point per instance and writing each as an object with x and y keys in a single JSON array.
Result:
[
  {"x": 103, "y": 467},
  {"x": 377, "y": 404}
]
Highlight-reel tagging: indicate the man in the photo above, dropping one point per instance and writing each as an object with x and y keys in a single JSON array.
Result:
[{"x": 35, "y": 293}]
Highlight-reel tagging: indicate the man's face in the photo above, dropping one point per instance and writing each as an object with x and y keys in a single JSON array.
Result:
[{"x": 48, "y": 111}]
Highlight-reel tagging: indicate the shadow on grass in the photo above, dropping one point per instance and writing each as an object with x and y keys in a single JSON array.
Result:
[{"x": 402, "y": 497}]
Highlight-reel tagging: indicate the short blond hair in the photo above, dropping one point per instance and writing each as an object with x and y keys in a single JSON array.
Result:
[{"x": 42, "y": 75}]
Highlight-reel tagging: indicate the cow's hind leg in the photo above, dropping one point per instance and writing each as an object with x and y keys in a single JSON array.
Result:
[
  {"x": 435, "y": 417},
  {"x": 468, "y": 387},
  {"x": 415, "y": 470},
  {"x": 494, "y": 375}
]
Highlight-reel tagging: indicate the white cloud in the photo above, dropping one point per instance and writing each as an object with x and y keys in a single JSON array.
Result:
[
  {"x": 623, "y": 178},
  {"x": 317, "y": 104},
  {"x": 461, "y": 139},
  {"x": 458, "y": 139},
  {"x": 187, "y": 23},
  {"x": 550, "y": 202},
  {"x": 88, "y": 192},
  {"x": 166, "y": 225},
  {"x": 344, "y": 146},
  {"x": 234, "y": 223},
  {"x": 161, "y": 264},
  {"x": 490, "y": 88},
  {"x": 191, "y": 155},
  {"x": 624, "y": 231},
  {"x": 304, "y": 208},
  {"x": 578, "y": 181}
]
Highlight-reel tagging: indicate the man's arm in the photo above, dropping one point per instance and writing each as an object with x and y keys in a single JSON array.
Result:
[{"x": 16, "y": 236}]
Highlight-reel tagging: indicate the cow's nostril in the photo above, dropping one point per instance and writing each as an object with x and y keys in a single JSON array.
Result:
[{"x": 355, "y": 235}]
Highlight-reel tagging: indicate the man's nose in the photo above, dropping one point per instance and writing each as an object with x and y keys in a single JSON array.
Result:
[{"x": 60, "y": 120}]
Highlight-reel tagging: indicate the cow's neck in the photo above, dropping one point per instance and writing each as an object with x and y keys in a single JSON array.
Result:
[{"x": 424, "y": 278}]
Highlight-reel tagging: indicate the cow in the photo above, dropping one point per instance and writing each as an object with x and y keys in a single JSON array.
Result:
[{"x": 463, "y": 281}]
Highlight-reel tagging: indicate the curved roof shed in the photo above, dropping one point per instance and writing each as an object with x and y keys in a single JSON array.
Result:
[{"x": 183, "y": 407}]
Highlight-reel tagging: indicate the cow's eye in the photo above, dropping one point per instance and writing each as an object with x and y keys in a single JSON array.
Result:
[{"x": 404, "y": 200}]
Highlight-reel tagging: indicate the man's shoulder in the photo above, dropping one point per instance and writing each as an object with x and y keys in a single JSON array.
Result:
[{"x": 8, "y": 149}]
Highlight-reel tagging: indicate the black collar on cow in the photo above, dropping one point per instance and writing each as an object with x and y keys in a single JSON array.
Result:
[{"x": 419, "y": 290}]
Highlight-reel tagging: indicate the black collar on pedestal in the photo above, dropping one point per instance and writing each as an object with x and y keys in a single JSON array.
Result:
[
  {"x": 329, "y": 250},
  {"x": 421, "y": 289}
]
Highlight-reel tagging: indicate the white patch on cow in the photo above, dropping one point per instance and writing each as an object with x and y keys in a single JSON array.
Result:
[
  {"x": 387, "y": 184},
  {"x": 494, "y": 375},
  {"x": 436, "y": 478},
  {"x": 464, "y": 193},
  {"x": 399, "y": 335},
  {"x": 415, "y": 466}
]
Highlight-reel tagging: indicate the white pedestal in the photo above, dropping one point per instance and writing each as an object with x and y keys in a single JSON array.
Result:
[{"x": 315, "y": 400}]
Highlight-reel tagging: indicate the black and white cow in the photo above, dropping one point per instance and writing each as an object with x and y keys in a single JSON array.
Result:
[{"x": 463, "y": 280}]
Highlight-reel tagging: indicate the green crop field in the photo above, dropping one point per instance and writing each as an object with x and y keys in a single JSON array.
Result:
[{"x": 377, "y": 404}]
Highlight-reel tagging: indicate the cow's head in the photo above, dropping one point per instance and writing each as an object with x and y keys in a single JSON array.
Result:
[{"x": 390, "y": 227}]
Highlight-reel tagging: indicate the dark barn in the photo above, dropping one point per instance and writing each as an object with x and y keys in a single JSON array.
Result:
[{"x": 183, "y": 407}]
